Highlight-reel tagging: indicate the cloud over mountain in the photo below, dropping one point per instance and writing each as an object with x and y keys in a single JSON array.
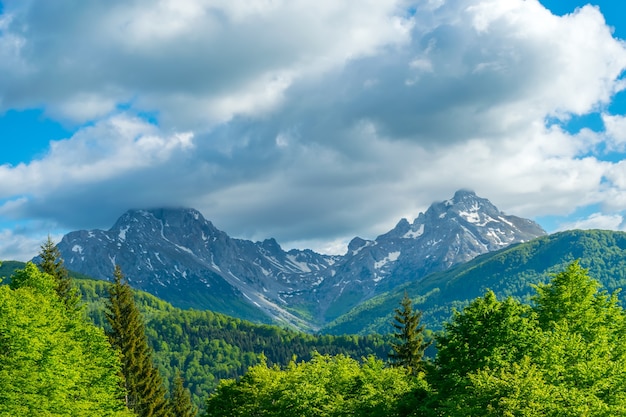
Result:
[{"x": 307, "y": 120}]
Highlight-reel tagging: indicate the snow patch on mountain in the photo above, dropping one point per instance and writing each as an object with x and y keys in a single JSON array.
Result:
[
  {"x": 178, "y": 255},
  {"x": 392, "y": 257}
]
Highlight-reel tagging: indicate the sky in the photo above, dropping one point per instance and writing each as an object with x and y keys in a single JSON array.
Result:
[{"x": 309, "y": 121}]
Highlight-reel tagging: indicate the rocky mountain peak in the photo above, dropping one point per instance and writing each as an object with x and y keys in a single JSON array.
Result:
[
  {"x": 177, "y": 254},
  {"x": 356, "y": 244}
]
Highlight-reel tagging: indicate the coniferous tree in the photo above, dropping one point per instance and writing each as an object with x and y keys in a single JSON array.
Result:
[
  {"x": 52, "y": 264},
  {"x": 408, "y": 350},
  {"x": 143, "y": 382},
  {"x": 181, "y": 399}
]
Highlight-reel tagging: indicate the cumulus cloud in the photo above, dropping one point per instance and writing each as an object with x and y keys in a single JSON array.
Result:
[
  {"x": 597, "y": 221},
  {"x": 311, "y": 122},
  {"x": 615, "y": 132},
  {"x": 193, "y": 61},
  {"x": 112, "y": 148},
  {"x": 23, "y": 243}
]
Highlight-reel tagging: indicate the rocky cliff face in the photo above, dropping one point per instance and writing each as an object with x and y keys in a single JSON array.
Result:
[{"x": 181, "y": 257}]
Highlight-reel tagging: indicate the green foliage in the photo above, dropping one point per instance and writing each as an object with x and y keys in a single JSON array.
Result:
[
  {"x": 52, "y": 363},
  {"x": 142, "y": 380},
  {"x": 488, "y": 333},
  {"x": 180, "y": 399},
  {"x": 324, "y": 386},
  {"x": 31, "y": 277},
  {"x": 208, "y": 347},
  {"x": 7, "y": 269},
  {"x": 562, "y": 356},
  {"x": 52, "y": 264},
  {"x": 409, "y": 346}
]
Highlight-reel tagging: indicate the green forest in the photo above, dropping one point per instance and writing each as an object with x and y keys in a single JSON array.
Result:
[
  {"x": 561, "y": 355},
  {"x": 75, "y": 347},
  {"x": 206, "y": 347}
]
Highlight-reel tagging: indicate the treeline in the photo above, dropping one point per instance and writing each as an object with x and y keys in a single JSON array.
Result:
[
  {"x": 561, "y": 354},
  {"x": 206, "y": 347},
  {"x": 55, "y": 362},
  {"x": 564, "y": 354},
  {"x": 195, "y": 349}
]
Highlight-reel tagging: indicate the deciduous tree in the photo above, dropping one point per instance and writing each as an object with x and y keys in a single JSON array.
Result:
[{"x": 53, "y": 362}]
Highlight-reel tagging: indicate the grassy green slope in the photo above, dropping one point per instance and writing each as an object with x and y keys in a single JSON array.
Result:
[{"x": 510, "y": 271}]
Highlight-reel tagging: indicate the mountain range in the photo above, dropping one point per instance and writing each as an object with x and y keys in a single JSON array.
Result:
[
  {"x": 179, "y": 256},
  {"x": 205, "y": 343},
  {"x": 511, "y": 271}
]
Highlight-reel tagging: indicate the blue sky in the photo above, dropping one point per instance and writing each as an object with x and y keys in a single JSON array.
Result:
[{"x": 312, "y": 121}]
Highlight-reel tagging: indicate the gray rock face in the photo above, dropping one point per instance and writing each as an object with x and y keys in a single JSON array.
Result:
[{"x": 181, "y": 257}]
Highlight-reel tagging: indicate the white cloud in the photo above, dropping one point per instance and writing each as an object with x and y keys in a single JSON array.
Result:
[
  {"x": 112, "y": 148},
  {"x": 194, "y": 61},
  {"x": 310, "y": 121},
  {"x": 615, "y": 132},
  {"x": 17, "y": 248},
  {"x": 597, "y": 221},
  {"x": 22, "y": 245}
]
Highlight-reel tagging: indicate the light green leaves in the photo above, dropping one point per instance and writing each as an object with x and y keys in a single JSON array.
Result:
[
  {"x": 563, "y": 356},
  {"x": 50, "y": 362}
]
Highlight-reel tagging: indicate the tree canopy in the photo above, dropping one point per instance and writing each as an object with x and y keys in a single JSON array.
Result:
[
  {"x": 51, "y": 362},
  {"x": 561, "y": 356},
  {"x": 324, "y": 386}
]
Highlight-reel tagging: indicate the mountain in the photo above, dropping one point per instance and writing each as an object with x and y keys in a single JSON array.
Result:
[
  {"x": 180, "y": 256},
  {"x": 447, "y": 234},
  {"x": 508, "y": 272}
]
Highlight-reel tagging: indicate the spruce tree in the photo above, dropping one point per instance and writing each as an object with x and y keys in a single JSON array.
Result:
[
  {"x": 143, "y": 382},
  {"x": 181, "y": 399},
  {"x": 409, "y": 347},
  {"x": 52, "y": 264}
]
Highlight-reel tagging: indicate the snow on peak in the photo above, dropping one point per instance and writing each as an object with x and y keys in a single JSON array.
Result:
[
  {"x": 413, "y": 234},
  {"x": 470, "y": 216},
  {"x": 123, "y": 231},
  {"x": 391, "y": 257},
  {"x": 302, "y": 266}
]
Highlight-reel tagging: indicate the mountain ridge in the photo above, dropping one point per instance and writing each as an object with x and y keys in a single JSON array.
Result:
[
  {"x": 510, "y": 271},
  {"x": 178, "y": 255}
]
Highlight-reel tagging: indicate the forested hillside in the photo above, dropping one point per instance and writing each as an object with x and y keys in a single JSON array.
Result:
[
  {"x": 562, "y": 355},
  {"x": 510, "y": 271},
  {"x": 206, "y": 347}
]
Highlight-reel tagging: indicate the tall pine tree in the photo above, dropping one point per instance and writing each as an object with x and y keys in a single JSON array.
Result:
[
  {"x": 143, "y": 382},
  {"x": 181, "y": 399},
  {"x": 409, "y": 347},
  {"x": 52, "y": 264}
]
